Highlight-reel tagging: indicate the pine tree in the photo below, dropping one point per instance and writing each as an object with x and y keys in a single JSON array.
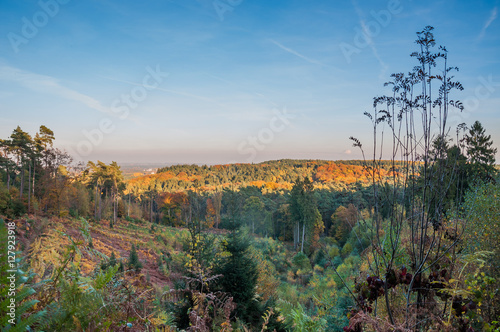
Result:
[
  {"x": 447, "y": 165},
  {"x": 480, "y": 153},
  {"x": 239, "y": 276},
  {"x": 112, "y": 259},
  {"x": 304, "y": 212},
  {"x": 133, "y": 260},
  {"x": 21, "y": 145},
  {"x": 295, "y": 208}
]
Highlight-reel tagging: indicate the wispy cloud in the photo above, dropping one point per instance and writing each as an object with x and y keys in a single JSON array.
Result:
[
  {"x": 383, "y": 66},
  {"x": 179, "y": 93},
  {"x": 233, "y": 84},
  {"x": 493, "y": 17},
  {"x": 289, "y": 50},
  {"x": 369, "y": 39},
  {"x": 358, "y": 10},
  {"x": 48, "y": 85}
]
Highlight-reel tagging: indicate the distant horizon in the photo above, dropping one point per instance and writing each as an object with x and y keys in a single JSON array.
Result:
[
  {"x": 181, "y": 80},
  {"x": 217, "y": 164},
  {"x": 254, "y": 163}
]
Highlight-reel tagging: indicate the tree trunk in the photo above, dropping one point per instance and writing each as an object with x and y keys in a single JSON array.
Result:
[
  {"x": 22, "y": 182},
  {"x": 303, "y": 235},
  {"x": 33, "y": 179},
  {"x": 58, "y": 194},
  {"x": 95, "y": 203},
  {"x": 128, "y": 207},
  {"x": 100, "y": 204},
  {"x": 296, "y": 235},
  {"x": 114, "y": 208},
  {"x": 29, "y": 188},
  {"x": 8, "y": 178}
]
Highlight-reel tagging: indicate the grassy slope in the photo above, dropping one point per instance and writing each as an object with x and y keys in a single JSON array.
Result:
[{"x": 43, "y": 241}]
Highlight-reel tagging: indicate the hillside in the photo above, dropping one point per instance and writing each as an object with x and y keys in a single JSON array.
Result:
[
  {"x": 45, "y": 241},
  {"x": 70, "y": 266},
  {"x": 271, "y": 175}
]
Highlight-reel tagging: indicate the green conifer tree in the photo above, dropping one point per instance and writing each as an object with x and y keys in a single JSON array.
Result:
[
  {"x": 112, "y": 259},
  {"x": 133, "y": 260},
  {"x": 239, "y": 276},
  {"x": 480, "y": 153}
]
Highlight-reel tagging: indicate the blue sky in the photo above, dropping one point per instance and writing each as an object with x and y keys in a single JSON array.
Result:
[{"x": 204, "y": 81}]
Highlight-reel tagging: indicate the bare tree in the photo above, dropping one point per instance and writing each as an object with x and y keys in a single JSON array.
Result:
[{"x": 413, "y": 249}]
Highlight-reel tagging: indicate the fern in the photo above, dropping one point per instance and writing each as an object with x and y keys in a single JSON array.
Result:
[
  {"x": 297, "y": 320},
  {"x": 23, "y": 317},
  {"x": 266, "y": 317},
  {"x": 85, "y": 232},
  {"x": 103, "y": 279}
]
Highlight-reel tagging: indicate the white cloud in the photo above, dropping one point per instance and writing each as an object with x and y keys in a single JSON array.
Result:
[
  {"x": 369, "y": 39},
  {"x": 493, "y": 17},
  {"x": 48, "y": 85},
  {"x": 289, "y": 50}
]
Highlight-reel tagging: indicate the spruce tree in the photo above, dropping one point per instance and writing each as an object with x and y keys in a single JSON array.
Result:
[
  {"x": 112, "y": 259},
  {"x": 480, "y": 153},
  {"x": 447, "y": 165},
  {"x": 239, "y": 276},
  {"x": 133, "y": 260}
]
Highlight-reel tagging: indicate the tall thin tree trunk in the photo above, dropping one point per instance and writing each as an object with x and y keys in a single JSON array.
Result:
[
  {"x": 95, "y": 202},
  {"x": 114, "y": 208},
  {"x": 29, "y": 188},
  {"x": 22, "y": 182},
  {"x": 33, "y": 185},
  {"x": 303, "y": 234},
  {"x": 58, "y": 195},
  {"x": 296, "y": 235},
  {"x": 8, "y": 177},
  {"x": 100, "y": 204},
  {"x": 151, "y": 211}
]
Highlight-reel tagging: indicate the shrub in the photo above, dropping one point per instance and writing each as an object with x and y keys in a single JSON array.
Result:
[{"x": 133, "y": 260}]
